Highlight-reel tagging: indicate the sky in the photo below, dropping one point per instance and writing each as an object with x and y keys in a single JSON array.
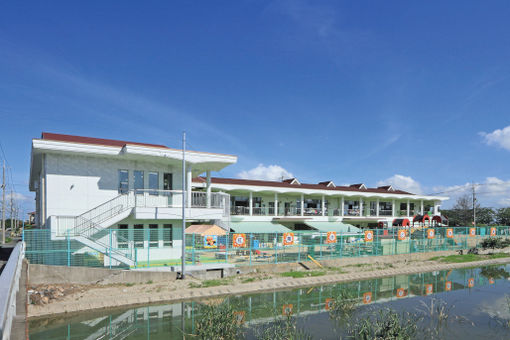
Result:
[{"x": 414, "y": 94}]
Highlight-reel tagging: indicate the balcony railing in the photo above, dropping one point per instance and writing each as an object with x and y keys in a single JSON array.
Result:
[
  {"x": 150, "y": 198},
  {"x": 385, "y": 212},
  {"x": 352, "y": 212}
]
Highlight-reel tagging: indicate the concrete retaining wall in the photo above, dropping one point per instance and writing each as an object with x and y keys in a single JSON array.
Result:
[{"x": 44, "y": 274}]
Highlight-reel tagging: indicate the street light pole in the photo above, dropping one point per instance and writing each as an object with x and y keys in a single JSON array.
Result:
[{"x": 184, "y": 195}]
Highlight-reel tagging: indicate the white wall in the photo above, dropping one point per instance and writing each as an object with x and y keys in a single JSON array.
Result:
[{"x": 75, "y": 183}]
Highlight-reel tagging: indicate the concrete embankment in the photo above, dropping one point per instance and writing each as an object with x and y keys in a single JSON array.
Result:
[
  {"x": 178, "y": 290},
  {"x": 44, "y": 274}
]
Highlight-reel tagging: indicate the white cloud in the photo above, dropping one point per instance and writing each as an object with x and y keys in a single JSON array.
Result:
[
  {"x": 266, "y": 173},
  {"x": 499, "y": 137},
  {"x": 493, "y": 192},
  {"x": 16, "y": 196},
  {"x": 402, "y": 182}
]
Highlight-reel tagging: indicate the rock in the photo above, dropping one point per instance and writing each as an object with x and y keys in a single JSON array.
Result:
[
  {"x": 45, "y": 299},
  {"x": 35, "y": 299}
]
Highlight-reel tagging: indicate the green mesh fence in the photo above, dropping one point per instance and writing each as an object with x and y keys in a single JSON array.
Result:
[{"x": 141, "y": 247}]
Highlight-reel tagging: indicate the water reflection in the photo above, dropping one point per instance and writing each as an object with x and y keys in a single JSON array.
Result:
[{"x": 173, "y": 321}]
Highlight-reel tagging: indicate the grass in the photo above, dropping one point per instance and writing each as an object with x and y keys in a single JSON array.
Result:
[
  {"x": 248, "y": 279},
  {"x": 301, "y": 274},
  {"x": 468, "y": 258},
  {"x": 129, "y": 284},
  {"x": 210, "y": 283}
]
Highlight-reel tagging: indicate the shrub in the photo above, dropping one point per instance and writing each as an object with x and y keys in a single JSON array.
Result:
[
  {"x": 218, "y": 322},
  {"x": 387, "y": 324}
]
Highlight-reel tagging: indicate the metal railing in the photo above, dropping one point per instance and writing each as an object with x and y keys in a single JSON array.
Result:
[
  {"x": 157, "y": 247},
  {"x": 9, "y": 286}
]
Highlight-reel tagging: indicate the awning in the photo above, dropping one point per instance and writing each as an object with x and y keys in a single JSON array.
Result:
[
  {"x": 339, "y": 227},
  {"x": 258, "y": 227}
]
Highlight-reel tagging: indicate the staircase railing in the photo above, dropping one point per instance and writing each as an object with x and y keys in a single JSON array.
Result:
[{"x": 103, "y": 212}]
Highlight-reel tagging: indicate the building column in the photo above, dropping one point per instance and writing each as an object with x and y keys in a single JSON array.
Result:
[
  {"x": 208, "y": 189},
  {"x": 393, "y": 208},
  {"x": 276, "y": 204},
  {"x": 342, "y": 207},
  {"x": 251, "y": 203},
  {"x": 421, "y": 207},
  {"x": 377, "y": 208},
  {"x": 302, "y": 205},
  {"x": 408, "y": 209},
  {"x": 188, "y": 184},
  {"x": 323, "y": 208},
  {"x": 436, "y": 208},
  {"x": 361, "y": 206}
]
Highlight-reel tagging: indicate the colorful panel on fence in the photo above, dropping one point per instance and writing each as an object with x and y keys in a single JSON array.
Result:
[
  {"x": 210, "y": 241},
  {"x": 367, "y": 297},
  {"x": 401, "y": 292},
  {"x": 472, "y": 232},
  {"x": 369, "y": 235},
  {"x": 288, "y": 239},
  {"x": 429, "y": 289},
  {"x": 449, "y": 233},
  {"x": 401, "y": 234},
  {"x": 328, "y": 304},
  {"x": 331, "y": 237},
  {"x": 493, "y": 231},
  {"x": 471, "y": 282},
  {"x": 287, "y": 309},
  {"x": 430, "y": 233},
  {"x": 448, "y": 286},
  {"x": 239, "y": 240}
]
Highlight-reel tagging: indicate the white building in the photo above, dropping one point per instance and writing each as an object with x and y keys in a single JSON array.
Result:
[{"x": 87, "y": 187}]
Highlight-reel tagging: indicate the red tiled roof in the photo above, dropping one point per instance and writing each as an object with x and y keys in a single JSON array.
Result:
[
  {"x": 90, "y": 140},
  {"x": 236, "y": 181}
]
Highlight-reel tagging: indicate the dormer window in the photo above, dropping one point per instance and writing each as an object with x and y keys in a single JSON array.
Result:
[
  {"x": 292, "y": 181},
  {"x": 359, "y": 186},
  {"x": 329, "y": 184},
  {"x": 386, "y": 187}
]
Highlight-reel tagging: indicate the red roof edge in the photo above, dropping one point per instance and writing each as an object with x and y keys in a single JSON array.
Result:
[{"x": 90, "y": 140}]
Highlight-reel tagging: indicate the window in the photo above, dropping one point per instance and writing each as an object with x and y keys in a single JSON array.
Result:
[
  {"x": 153, "y": 235},
  {"x": 122, "y": 236},
  {"x": 139, "y": 235},
  {"x": 123, "y": 181},
  {"x": 167, "y": 181},
  {"x": 167, "y": 235},
  {"x": 138, "y": 180},
  {"x": 153, "y": 183}
]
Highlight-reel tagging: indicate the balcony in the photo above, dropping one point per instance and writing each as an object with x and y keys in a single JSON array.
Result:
[{"x": 167, "y": 204}]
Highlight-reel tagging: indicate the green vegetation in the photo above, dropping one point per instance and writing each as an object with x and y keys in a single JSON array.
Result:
[
  {"x": 495, "y": 243},
  {"x": 343, "y": 305},
  {"x": 248, "y": 279},
  {"x": 282, "y": 329},
  {"x": 300, "y": 274},
  {"x": 8, "y": 240},
  {"x": 218, "y": 322},
  {"x": 129, "y": 284},
  {"x": 468, "y": 258},
  {"x": 387, "y": 324},
  {"x": 149, "y": 282},
  {"x": 210, "y": 283}
]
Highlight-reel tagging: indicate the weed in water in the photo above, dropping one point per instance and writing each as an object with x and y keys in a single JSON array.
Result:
[
  {"x": 218, "y": 322},
  {"x": 282, "y": 329},
  {"x": 386, "y": 324}
]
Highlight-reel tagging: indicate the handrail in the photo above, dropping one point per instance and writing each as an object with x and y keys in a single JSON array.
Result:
[{"x": 9, "y": 286}]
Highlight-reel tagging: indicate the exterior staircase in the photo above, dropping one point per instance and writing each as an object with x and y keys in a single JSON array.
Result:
[{"x": 88, "y": 226}]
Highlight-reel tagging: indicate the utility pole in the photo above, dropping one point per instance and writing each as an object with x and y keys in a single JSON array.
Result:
[
  {"x": 184, "y": 195},
  {"x": 12, "y": 213},
  {"x": 474, "y": 206},
  {"x": 3, "y": 204}
]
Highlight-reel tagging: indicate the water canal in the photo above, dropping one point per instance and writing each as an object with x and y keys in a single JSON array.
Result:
[{"x": 476, "y": 301}]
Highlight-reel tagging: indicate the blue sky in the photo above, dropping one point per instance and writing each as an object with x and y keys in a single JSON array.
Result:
[{"x": 415, "y": 94}]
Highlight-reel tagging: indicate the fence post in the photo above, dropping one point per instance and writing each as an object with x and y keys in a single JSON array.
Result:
[
  {"x": 275, "y": 246},
  {"x": 147, "y": 237},
  {"x": 341, "y": 244},
  {"x": 192, "y": 248},
  {"x": 251, "y": 245},
  {"x": 110, "y": 257},
  {"x": 226, "y": 247},
  {"x": 320, "y": 245},
  {"x": 136, "y": 256},
  {"x": 68, "y": 249}
]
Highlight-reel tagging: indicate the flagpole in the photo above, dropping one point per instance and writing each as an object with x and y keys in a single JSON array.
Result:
[{"x": 184, "y": 195}]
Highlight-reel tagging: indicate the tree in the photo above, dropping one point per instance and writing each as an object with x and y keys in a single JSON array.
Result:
[
  {"x": 462, "y": 212},
  {"x": 503, "y": 216},
  {"x": 486, "y": 216}
]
